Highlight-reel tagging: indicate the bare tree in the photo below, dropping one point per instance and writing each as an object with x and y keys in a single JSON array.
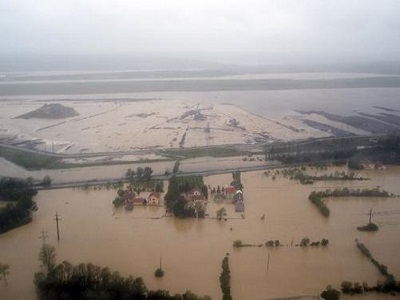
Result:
[{"x": 47, "y": 257}]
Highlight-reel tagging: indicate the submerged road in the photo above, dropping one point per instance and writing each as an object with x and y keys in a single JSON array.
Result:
[
  {"x": 79, "y": 155},
  {"x": 276, "y": 165},
  {"x": 73, "y": 181},
  {"x": 240, "y": 147}
]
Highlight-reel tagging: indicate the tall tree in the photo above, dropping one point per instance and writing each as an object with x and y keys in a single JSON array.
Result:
[
  {"x": 221, "y": 213},
  {"x": 46, "y": 181},
  {"x": 47, "y": 257},
  {"x": 147, "y": 173},
  {"x": 139, "y": 173},
  {"x": 225, "y": 279},
  {"x": 130, "y": 174}
]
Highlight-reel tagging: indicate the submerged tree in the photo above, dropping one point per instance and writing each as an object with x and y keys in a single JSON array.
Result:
[
  {"x": 159, "y": 271},
  {"x": 147, "y": 171},
  {"x": 130, "y": 174},
  {"x": 139, "y": 173},
  {"x": 304, "y": 242},
  {"x": 225, "y": 279},
  {"x": 47, "y": 256},
  {"x": 46, "y": 181},
  {"x": 221, "y": 213},
  {"x": 4, "y": 272},
  {"x": 330, "y": 293}
]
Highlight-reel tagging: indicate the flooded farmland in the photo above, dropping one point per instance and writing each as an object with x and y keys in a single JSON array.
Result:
[{"x": 192, "y": 249}]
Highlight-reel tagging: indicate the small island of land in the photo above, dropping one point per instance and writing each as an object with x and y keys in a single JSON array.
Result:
[{"x": 50, "y": 111}]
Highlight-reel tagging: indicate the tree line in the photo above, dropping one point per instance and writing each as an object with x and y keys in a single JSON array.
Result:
[
  {"x": 389, "y": 285},
  {"x": 316, "y": 197},
  {"x": 18, "y": 195},
  {"x": 88, "y": 281},
  {"x": 141, "y": 174}
]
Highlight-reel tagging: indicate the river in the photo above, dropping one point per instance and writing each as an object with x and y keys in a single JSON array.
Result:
[{"x": 192, "y": 249}]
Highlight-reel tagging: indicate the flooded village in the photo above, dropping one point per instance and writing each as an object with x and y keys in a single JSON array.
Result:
[
  {"x": 250, "y": 207},
  {"x": 156, "y": 202},
  {"x": 198, "y": 150}
]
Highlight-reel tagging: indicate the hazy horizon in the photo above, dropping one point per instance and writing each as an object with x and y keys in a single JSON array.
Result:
[
  {"x": 196, "y": 33},
  {"x": 244, "y": 62}
]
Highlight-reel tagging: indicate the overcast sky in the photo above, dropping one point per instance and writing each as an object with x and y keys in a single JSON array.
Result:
[{"x": 366, "y": 28}]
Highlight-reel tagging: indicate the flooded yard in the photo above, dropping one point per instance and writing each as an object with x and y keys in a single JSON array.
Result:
[{"x": 92, "y": 230}]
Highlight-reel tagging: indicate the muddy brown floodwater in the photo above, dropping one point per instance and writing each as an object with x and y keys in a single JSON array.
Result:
[{"x": 192, "y": 249}]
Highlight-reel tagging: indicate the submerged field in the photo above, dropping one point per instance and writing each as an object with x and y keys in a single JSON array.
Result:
[
  {"x": 192, "y": 249},
  {"x": 100, "y": 119}
]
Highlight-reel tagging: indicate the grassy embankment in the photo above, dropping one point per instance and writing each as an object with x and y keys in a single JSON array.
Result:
[
  {"x": 37, "y": 161},
  {"x": 31, "y": 161},
  {"x": 203, "y": 152}
]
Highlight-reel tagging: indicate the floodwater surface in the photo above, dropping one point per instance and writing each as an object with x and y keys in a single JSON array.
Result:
[{"x": 192, "y": 249}]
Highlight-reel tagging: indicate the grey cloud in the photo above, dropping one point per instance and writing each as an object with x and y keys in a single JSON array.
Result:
[{"x": 368, "y": 27}]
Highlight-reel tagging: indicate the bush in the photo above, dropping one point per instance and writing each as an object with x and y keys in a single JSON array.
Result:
[
  {"x": 118, "y": 201},
  {"x": 317, "y": 201},
  {"x": 346, "y": 287},
  {"x": 269, "y": 243},
  {"x": 304, "y": 242},
  {"x": 237, "y": 243},
  {"x": 368, "y": 227},
  {"x": 159, "y": 272},
  {"x": 357, "y": 288},
  {"x": 330, "y": 294},
  {"x": 315, "y": 244},
  {"x": 46, "y": 181},
  {"x": 324, "y": 242}
]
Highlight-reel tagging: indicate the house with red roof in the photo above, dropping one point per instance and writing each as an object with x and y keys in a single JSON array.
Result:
[
  {"x": 195, "y": 194},
  {"x": 139, "y": 201},
  {"x": 153, "y": 199},
  {"x": 229, "y": 192}
]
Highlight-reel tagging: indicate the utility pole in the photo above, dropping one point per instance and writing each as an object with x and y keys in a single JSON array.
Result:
[
  {"x": 57, "y": 219},
  {"x": 43, "y": 236}
]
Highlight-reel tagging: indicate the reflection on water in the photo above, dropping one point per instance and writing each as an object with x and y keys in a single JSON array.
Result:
[{"x": 192, "y": 250}]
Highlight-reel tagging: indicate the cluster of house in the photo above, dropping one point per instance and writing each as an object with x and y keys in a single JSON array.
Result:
[
  {"x": 131, "y": 199},
  {"x": 196, "y": 200},
  {"x": 230, "y": 192},
  {"x": 367, "y": 164},
  {"x": 194, "y": 194},
  {"x": 195, "y": 197}
]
